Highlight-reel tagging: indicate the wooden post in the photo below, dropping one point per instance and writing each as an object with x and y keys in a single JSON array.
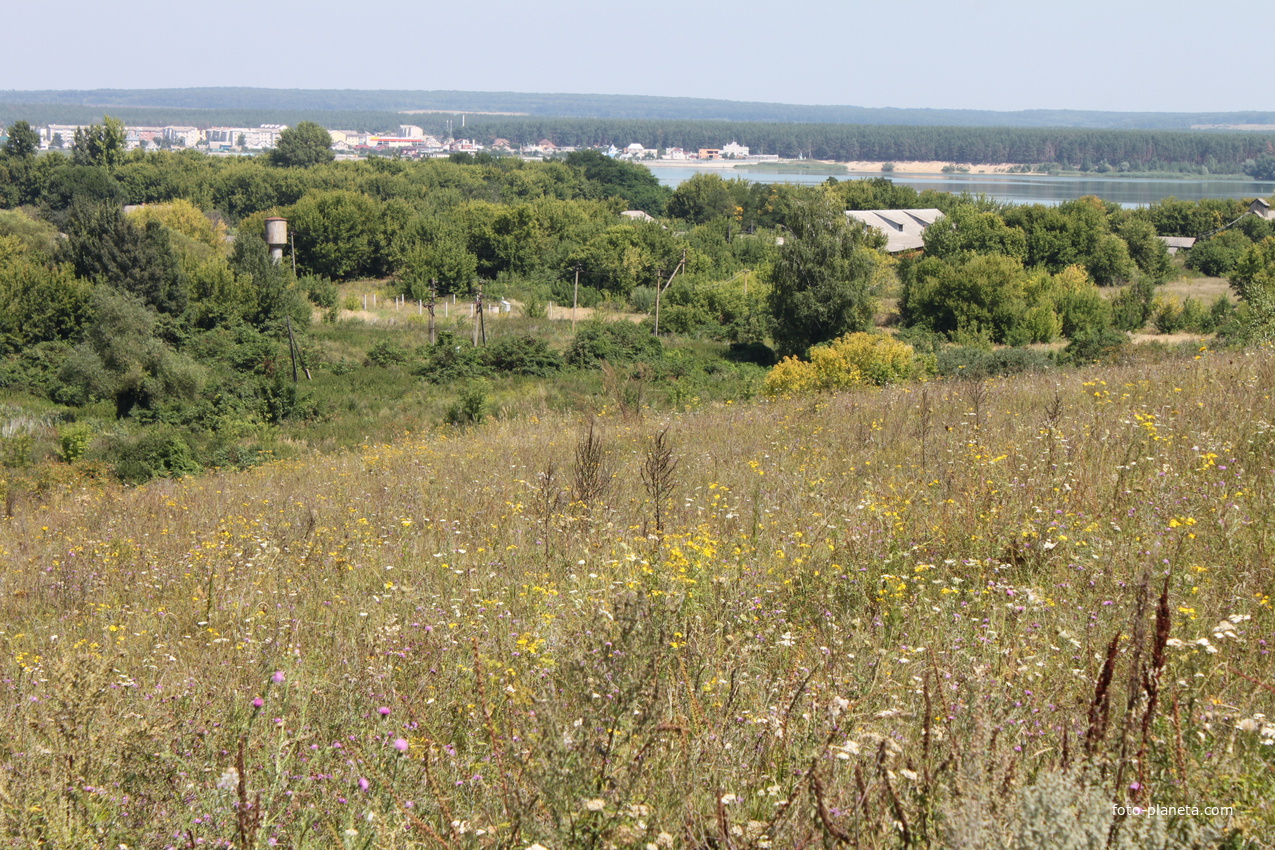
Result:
[
  {"x": 433, "y": 294},
  {"x": 659, "y": 279},
  {"x": 659, "y": 289},
  {"x": 575, "y": 299}
]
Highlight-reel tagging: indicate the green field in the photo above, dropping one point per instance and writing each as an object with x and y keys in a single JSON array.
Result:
[{"x": 936, "y": 614}]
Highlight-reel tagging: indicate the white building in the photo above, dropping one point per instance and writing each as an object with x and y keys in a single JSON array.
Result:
[
  {"x": 734, "y": 151},
  {"x": 904, "y": 229}
]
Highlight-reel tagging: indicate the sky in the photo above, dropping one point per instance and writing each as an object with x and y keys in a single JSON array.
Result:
[{"x": 1117, "y": 55}]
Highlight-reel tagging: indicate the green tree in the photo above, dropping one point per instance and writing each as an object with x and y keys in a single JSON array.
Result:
[
  {"x": 1146, "y": 249},
  {"x": 702, "y": 198},
  {"x": 38, "y": 302},
  {"x": 338, "y": 233},
  {"x": 275, "y": 295},
  {"x": 122, "y": 359},
  {"x": 445, "y": 258},
  {"x": 23, "y": 141},
  {"x": 1254, "y": 278},
  {"x": 1109, "y": 263},
  {"x": 824, "y": 280},
  {"x": 100, "y": 144},
  {"x": 965, "y": 231},
  {"x": 104, "y": 246},
  {"x": 302, "y": 146},
  {"x": 614, "y": 178}
]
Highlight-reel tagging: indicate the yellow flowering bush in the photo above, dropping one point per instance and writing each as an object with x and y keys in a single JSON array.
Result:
[{"x": 853, "y": 360}]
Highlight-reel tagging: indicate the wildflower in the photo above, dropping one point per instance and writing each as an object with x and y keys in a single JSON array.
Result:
[
  {"x": 400, "y": 744},
  {"x": 277, "y": 678},
  {"x": 258, "y": 702},
  {"x": 384, "y": 711},
  {"x": 229, "y": 779},
  {"x": 363, "y": 783},
  {"x": 595, "y": 805},
  {"x": 838, "y": 705}
]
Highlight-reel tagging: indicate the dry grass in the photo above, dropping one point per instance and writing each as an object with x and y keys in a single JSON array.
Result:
[{"x": 875, "y": 619}]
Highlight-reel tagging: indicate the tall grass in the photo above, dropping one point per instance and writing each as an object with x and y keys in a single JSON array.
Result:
[{"x": 934, "y": 615}]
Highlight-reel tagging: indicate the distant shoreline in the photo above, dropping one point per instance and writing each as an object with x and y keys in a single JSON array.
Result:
[{"x": 857, "y": 167}]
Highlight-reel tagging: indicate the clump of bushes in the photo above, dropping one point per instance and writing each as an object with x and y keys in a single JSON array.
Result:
[
  {"x": 615, "y": 342},
  {"x": 853, "y": 360}
]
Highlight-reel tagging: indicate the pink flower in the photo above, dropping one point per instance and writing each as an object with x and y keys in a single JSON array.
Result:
[
  {"x": 400, "y": 744},
  {"x": 258, "y": 702},
  {"x": 363, "y": 784},
  {"x": 277, "y": 678},
  {"x": 384, "y": 710}
]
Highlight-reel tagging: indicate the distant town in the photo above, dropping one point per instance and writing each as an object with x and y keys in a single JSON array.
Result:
[{"x": 410, "y": 141}]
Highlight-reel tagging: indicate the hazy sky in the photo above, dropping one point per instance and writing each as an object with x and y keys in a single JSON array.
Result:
[{"x": 979, "y": 54}]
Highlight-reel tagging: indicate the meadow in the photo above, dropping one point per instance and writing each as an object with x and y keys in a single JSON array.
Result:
[{"x": 958, "y": 613}]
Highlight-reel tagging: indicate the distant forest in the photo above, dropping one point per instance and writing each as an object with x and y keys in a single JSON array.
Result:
[
  {"x": 310, "y": 101},
  {"x": 905, "y": 139}
]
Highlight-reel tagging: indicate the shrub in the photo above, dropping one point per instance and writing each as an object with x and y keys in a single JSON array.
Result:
[
  {"x": 522, "y": 355},
  {"x": 979, "y": 363},
  {"x": 1167, "y": 317},
  {"x": 451, "y": 360},
  {"x": 1096, "y": 345},
  {"x": 853, "y": 360},
  {"x": 470, "y": 407},
  {"x": 321, "y": 291},
  {"x": 534, "y": 308},
  {"x": 157, "y": 453},
  {"x": 617, "y": 342},
  {"x": 752, "y": 352},
  {"x": 386, "y": 353},
  {"x": 1132, "y": 308},
  {"x": 73, "y": 440}
]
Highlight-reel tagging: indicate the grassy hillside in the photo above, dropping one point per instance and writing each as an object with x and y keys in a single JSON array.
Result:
[{"x": 943, "y": 613}]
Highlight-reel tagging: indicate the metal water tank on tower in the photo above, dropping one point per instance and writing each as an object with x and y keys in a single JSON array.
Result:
[{"x": 276, "y": 237}]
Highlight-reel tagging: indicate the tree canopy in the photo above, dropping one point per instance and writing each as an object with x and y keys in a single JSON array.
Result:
[{"x": 302, "y": 146}]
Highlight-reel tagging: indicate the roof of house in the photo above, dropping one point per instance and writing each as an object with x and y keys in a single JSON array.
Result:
[
  {"x": 904, "y": 229},
  {"x": 1178, "y": 241}
]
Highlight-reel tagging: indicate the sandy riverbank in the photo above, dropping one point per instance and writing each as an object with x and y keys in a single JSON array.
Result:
[{"x": 859, "y": 167}]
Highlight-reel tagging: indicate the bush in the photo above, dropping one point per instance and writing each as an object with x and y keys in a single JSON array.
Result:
[
  {"x": 157, "y": 453},
  {"x": 1092, "y": 346},
  {"x": 73, "y": 440},
  {"x": 615, "y": 342},
  {"x": 522, "y": 355},
  {"x": 979, "y": 363},
  {"x": 321, "y": 291},
  {"x": 386, "y": 353},
  {"x": 853, "y": 360},
  {"x": 1132, "y": 307},
  {"x": 1168, "y": 315},
  {"x": 451, "y": 360},
  {"x": 470, "y": 407},
  {"x": 752, "y": 352},
  {"x": 534, "y": 308}
]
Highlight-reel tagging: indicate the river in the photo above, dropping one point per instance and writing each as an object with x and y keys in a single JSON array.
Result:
[{"x": 1017, "y": 188}]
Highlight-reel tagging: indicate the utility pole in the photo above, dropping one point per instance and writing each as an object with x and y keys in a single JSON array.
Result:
[
  {"x": 575, "y": 299},
  {"x": 480, "y": 327},
  {"x": 659, "y": 277}
]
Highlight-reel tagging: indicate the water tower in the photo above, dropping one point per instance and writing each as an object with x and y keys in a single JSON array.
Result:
[{"x": 276, "y": 237}]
